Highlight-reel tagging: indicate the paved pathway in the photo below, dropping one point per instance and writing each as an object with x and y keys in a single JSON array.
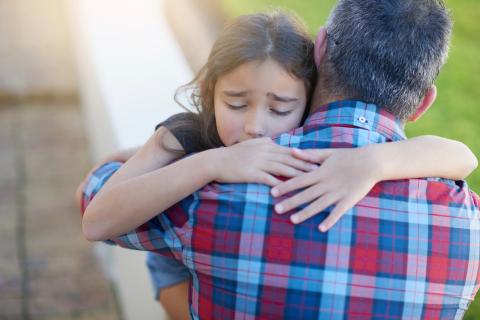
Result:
[{"x": 47, "y": 269}]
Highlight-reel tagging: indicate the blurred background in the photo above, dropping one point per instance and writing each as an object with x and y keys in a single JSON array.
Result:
[{"x": 82, "y": 78}]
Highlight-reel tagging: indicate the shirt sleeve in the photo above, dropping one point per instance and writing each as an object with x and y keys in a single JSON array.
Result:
[
  {"x": 147, "y": 237},
  {"x": 185, "y": 127}
]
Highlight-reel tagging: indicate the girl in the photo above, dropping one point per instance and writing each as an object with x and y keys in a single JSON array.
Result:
[{"x": 255, "y": 85}]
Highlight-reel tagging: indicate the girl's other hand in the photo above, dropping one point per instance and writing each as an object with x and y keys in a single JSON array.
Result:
[
  {"x": 256, "y": 161},
  {"x": 344, "y": 178},
  {"x": 120, "y": 156}
]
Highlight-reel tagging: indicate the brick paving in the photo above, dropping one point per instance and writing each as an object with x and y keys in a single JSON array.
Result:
[{"x": 47, "y": 269}]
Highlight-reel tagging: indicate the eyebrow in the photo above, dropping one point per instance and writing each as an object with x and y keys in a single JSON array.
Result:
[
  {"x": 281, "y": 99},
  {"x": 275, "y": 97},
  {"x": 235, "y": 93}
]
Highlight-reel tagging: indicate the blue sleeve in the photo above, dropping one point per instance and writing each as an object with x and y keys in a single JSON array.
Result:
[{"x": 147, "y": 237}]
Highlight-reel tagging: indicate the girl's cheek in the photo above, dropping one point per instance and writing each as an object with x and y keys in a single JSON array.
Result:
[
  {"x": 232, "y": 133},
  {"x": 228, "y": 131},
  {"x": 288, "y": 125}
]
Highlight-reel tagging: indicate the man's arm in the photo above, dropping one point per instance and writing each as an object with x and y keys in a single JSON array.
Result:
[
  {"x": 147, "y": 237},
  {"x": 120, "y": 156}
]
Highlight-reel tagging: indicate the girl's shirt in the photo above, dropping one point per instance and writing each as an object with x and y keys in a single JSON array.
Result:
[{"x": 185, "y": 127}]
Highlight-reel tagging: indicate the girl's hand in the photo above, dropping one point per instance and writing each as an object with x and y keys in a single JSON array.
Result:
[
  {"x": 256, "y": 161},
  {"x": 120, "y": 156},
  {"x": 343, "y": 179}
]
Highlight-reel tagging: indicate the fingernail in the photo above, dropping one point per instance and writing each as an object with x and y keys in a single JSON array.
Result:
[
  {"x": 313, "y": 166},
  {"x": 295, "y": 219},
  {"x": 279, "y": 208},
  {"x": 275, "y": 192},
  {"x": 322, "y": 228},
  {"x": 297, "y": 150}
]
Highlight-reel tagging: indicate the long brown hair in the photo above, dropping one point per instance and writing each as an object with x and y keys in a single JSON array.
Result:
[{"x": 277, "y": 35}]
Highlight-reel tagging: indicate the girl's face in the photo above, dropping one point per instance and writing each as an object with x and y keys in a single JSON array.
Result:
[{"x": 257, "y": 99}]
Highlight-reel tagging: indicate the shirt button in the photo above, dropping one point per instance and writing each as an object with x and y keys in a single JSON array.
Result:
[{"x": 362, "y": 119}]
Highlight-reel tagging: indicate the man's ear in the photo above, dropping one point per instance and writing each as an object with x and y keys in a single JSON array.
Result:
[
  {"x": 320, "y": 46},
  {"x": 427, "y": 101}
]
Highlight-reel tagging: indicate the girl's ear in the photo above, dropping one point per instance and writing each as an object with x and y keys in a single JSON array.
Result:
[{"x": 320, "y": 46}]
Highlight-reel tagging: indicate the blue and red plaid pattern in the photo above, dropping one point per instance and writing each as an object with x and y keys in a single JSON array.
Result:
[{"x": 408, "y": 250}]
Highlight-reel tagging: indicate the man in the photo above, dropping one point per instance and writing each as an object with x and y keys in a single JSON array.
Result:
[{"x": 407, "y": 250}]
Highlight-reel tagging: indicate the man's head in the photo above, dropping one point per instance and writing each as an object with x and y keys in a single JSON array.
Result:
[{"x": 386, "y": 52}]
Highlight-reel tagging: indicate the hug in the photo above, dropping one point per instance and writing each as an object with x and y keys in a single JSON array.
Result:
[{"x": 291, "y": 190}]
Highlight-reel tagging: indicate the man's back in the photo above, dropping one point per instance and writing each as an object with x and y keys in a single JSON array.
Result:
[{"x": 410, "y": 249}]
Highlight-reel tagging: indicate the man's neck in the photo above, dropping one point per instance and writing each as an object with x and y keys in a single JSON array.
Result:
[{"x": 321, "y": 98}]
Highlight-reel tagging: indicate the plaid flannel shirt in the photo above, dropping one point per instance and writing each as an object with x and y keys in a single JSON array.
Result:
[{"x": 408, "y": 250}]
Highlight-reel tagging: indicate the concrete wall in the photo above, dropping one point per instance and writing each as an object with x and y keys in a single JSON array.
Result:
[
  {"x": 129, "y": 65},
  {"x": 35, "y": 50}
]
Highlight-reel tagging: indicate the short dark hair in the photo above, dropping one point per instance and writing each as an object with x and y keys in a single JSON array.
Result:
[{"x": 386, "y": 52}]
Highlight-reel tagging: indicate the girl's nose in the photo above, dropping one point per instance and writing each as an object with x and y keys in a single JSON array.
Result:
[{"x": 254, "y": 126}]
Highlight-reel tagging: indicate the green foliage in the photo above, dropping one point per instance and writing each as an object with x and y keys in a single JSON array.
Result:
[{"x": 454, "y": 115}]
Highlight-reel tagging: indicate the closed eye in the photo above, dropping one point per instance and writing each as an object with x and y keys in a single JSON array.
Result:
[
  {"x": 281, "y": 113},
  {"x": 235, "y": 107}
]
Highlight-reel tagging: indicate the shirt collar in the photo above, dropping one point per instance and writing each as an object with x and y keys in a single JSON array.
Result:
[{"x": 359, "y": 114}]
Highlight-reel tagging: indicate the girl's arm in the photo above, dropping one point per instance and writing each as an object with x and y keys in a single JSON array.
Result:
[
  {"x": 147, "y": 184},
  {"x": 129, "y": 197},
  {"x": 347, "y": 175},
  {"x": 424, "y": 156}
]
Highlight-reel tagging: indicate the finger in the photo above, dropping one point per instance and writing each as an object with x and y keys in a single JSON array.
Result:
[
  {"x": 339, "y": 210},
  {"x": 296, "y": 183},
  {"x": 259, "y": 140},
  {"x": 280, "y": 169},
  {"x": 267, "y": 179},
  {"x": 291, "y": 161},
  {"x": 79, "y": 192},
  {"x": 280, "y": 149},
  {"x": 314, "y": 208},
  {"x": 313, "y": 155},
  {"x": 265, "y": 142},
  {"x": 300, "y": 198}
]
